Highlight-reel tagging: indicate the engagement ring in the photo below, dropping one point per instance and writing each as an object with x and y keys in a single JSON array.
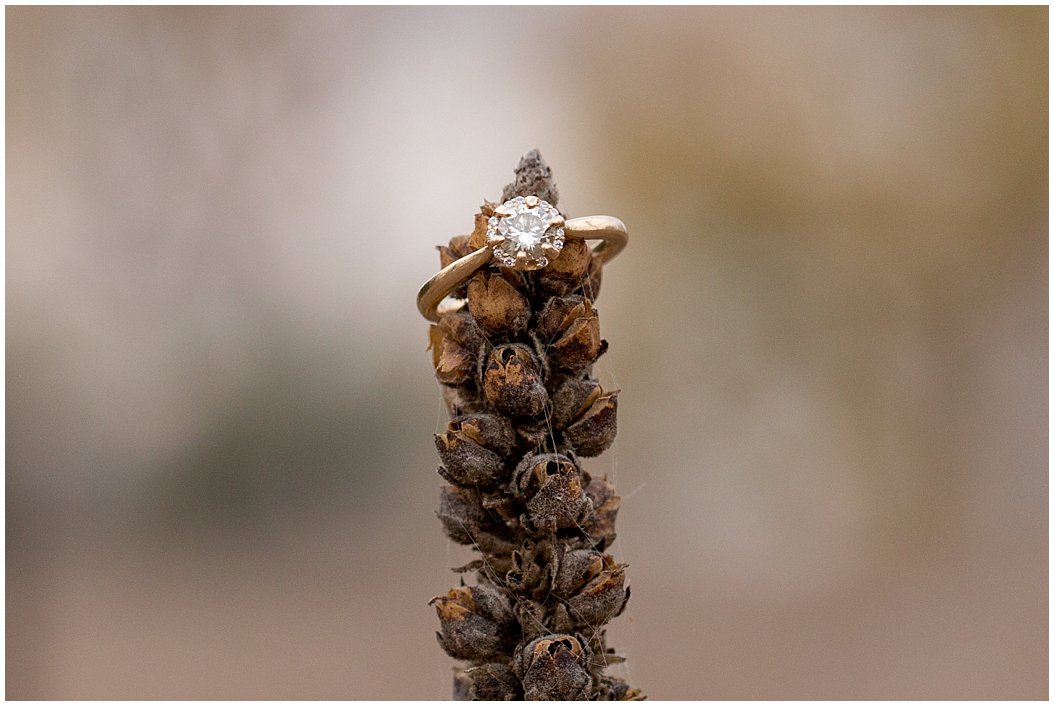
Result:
[{"x": 525, "y": 233}]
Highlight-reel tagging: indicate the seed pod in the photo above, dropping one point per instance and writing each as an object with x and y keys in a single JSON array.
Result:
[
  {"x": 467, "y": 519},
  {"x": 557, "y": 314},
  {"x": 569, "y": 330},
  {"x": 473, "y": 448},
  {"x": 462, "y": 685},
  {"x": 577, "y": 568},
  {"x": 553, "y": 488},
  {"x": 498, "y": 308},
  {"x": 462, "y": 515},
  {"x": 455, "y": 343},
  {"x": 466, "y": 463},
  {"x": 512, "y": 382},
  {"x": 554, "y": 668},
  {"x": 478, "y": 238},
  {"x": 515, "y": 362},
  {"x": 599, "y": 525},
  {"x": 533, "y": 569},
  {"x": 490, "y": 430},
  {"x": 533, "y": 176},
  {"x": 595, "y": 431},
  {"x": 602, "y": 597},
  {"x": 564, "y": 274},
  {"x": 592, "y": 586},
  {"x": 614, "y": 689},
  {"x": 572, "y": 399},
  {"x": 493, "y": 681},
  {"x": 453, "y": 363},
  {"x": 473, "y": 622}
]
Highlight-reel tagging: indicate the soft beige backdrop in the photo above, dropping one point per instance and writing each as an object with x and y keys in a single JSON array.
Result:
[{"x": 830, "y": 329}]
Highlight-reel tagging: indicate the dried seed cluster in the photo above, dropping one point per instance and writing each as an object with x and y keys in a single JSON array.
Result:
[{"x": 515, "y": 366}]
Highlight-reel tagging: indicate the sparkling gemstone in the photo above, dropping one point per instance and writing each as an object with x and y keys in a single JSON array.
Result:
[{"x": 525, "y": 235}]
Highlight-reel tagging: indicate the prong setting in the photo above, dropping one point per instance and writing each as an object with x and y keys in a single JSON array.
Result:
[{"x": 526, "y": 233}]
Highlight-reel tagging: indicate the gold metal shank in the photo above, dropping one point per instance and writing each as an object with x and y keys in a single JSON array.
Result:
[{"x": 610, "y": 231}]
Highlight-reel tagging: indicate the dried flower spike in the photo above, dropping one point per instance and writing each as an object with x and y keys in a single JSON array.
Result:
[{"x": 515, "y": 362}]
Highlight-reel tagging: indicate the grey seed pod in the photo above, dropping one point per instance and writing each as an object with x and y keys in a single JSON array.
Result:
[
  {"x": 533, "y": 176},
  {"x": 533, "y": 570},
  {"x": 552, "y": 485},
  {"x": 614, "y": 689},
  {"x": 473, "y": 622},
  {"x": 600, "y": 524},
  {"x": 497, "y": 306},
  {"x": 571, "y": 400},
  {"x": 462, "y": 685},
  {"x": 577, "y": 568},
  {"x": 467, "y": 519},
  {"x": 595, "y": 430},
  {"x": 467, "y": 463},
  {"x": 493, "y": 681},
  {"x": 533, "y": 433},
  {"x": 531, "y": 616},
  {"x": 603, "y": 598},
  {"x": 512, "y": 382},
  {"x": 490, "y": 430},
  {"x": 463, "y": 518},
  {"x": 554, "y": 668},
  {"x": 472, "y": 449}
]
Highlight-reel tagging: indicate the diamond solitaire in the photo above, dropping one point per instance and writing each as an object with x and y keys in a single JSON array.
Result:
[{"x": 525, "y": 233}]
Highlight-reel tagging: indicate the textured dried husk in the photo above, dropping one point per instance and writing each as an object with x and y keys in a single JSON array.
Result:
[{"x": 516, "y": 367}]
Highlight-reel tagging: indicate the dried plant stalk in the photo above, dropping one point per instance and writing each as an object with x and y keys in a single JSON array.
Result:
[{"x": 515, "y": 365}]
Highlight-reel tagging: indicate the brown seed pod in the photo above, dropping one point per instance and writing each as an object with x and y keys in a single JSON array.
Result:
[
  {"x": 493, "y": 681},
  {"x": 463, "y": 517},
  {"x": 455, "y": 342},
  {"x": 554, "y": 668},
  {"x": 599, "y": 525},
  {"x": 595, "y": 430},
  {"x": 466, "y": 463},
  {"x": 565, "y": 273},
  {"x": 571, "y": 400},
  {"x": 512, "y": 381},
  {"x": 533, "y": 569},
  {"x": 569, "y": 331},
  {"x": 473, "y": 449},
  {"x": 453, "y": 362},
  {"x": 490, "y": 430},
  {"x": 614, "y": 689},
  {"x": 552, "y": 485},
  {"x": 577, "y": 568},
  {"x": 515, "y": 364},
  {"x": 602, "y": 598},
  {"x": 497, "y": 306},
  {"x": 473, "y": 622}
]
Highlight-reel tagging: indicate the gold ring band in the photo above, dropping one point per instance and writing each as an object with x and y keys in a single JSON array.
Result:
[{"x": 610, "y": 231}]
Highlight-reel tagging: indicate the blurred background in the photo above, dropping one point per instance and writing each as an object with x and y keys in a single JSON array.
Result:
[{"x": 830, "y": 329}]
